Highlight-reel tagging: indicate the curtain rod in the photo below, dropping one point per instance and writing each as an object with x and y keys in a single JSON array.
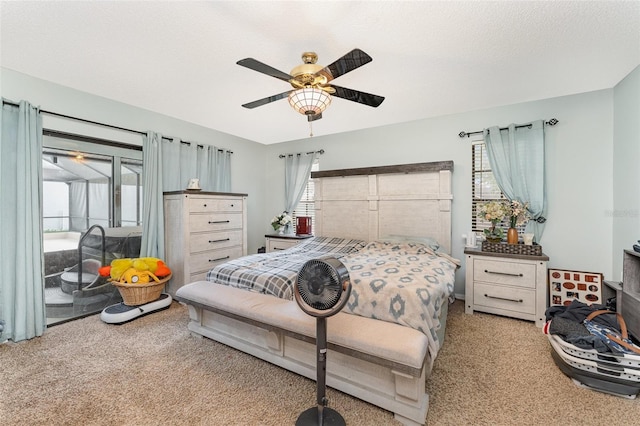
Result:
[
  {"x": 551, "y": 122},
  {"x": 321, "y": 151},
  {"x": 56, "y": 114}
]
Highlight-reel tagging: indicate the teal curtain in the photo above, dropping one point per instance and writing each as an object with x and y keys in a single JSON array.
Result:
[
  {"x": 183, "y": 161},
  {"x": 218, "y": 164},
  {"x": 152, "y": 244},
  {"x": 22, "y": 307},
  {"x": 297, "y": 170},
  {"x": 168, "y": 166},
  {"x": 516, "y": 155},
  {"x": 178, "y": 164}
]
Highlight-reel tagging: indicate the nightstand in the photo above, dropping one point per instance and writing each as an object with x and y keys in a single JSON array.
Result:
[
  {"x": 282, "y": 242},
  {"x": 506, "y": 284}
]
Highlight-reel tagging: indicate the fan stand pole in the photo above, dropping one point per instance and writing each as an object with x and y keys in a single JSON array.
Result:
[
  {"x": 321, "y": 415},
  {"x": 321, "y": 366}
]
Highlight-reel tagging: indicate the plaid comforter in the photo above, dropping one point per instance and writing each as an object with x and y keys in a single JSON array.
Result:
[
  {"x": 400, "y": 282},
  {"x": 275, "y": 273}
]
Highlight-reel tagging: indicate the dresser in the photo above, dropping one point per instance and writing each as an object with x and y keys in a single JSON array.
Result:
[
  {"x": 202, "y": 229},
  {"x": 506, "y": 284},
  {"x": 276, "y": 242}
]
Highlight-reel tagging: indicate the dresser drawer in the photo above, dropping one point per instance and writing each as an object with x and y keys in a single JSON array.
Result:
[
  {"x": 204, "y": 261},
  {"x": 215, "y": 240},
  {"x": 502, "y": 297},
  {"x": 215, "y": 222},
  {"x": 501, "y": 272},
  {"x": 275, "y": 244},
  {"x": 208, "y": 205}
]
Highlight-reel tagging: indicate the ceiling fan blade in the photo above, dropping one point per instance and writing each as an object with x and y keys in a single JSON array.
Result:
[
  {"x": 314, "y": 117},
  {"x": 349, "y": 62},
  {"x": 357, "y": 96},
  {"x": 267, "y": 100},
  {"x": 264, "y": 69}
]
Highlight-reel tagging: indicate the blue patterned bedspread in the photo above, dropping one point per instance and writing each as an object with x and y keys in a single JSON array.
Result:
[
  {"x": 275, "y": 273},
  {"x": 404, "y": 283},
  {"x": 400, "y": 282}
]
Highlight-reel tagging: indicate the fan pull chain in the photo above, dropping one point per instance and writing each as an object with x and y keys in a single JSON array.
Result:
[{"x": 310, "y": 129}]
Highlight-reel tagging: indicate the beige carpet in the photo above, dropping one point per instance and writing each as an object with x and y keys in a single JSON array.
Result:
[{"x": 491, "y": 371}]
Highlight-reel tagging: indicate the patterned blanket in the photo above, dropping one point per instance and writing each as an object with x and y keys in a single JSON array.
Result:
[
  {"x": 404, "y": 283},
  {"x": 275, "y": 273},
  {"x": 400, "y": 282}
]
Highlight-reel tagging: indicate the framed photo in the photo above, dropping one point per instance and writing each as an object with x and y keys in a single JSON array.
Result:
[{"x": 566, "y": 286}]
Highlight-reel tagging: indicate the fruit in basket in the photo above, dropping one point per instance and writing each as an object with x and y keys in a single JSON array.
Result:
[
  {"x": 118, "y": 267},
  {"x": 105, "y": 271},
  {"x": 135, "y": 276},
  {"x": 134, "y": 269},
  {"x": 162, "y": 270}
]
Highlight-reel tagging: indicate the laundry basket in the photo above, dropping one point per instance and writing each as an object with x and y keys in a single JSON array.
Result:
[{"x": 139, "y": 294}]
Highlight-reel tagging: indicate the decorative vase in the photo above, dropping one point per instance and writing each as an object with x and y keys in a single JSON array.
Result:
[
  {"x": 512, "y": 236},
  {"x": 281, "y": 231}
]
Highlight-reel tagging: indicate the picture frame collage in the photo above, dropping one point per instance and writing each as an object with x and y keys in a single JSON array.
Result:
[{"x": 566, "y": 286}]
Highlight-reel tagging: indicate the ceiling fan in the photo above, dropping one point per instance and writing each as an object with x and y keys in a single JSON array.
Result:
[{"x": 311, "y": 92}]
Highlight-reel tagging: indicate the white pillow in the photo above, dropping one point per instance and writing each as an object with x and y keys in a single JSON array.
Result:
[{"x": 432, "y": 243}]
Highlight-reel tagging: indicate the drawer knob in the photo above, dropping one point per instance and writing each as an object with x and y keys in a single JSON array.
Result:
[
  {"x": 502, "y": 273},
  {"x": 219, "y": 241},
  {"x": 231, "y": 205},
  {"x": 504, "y": 298},
  {"x": 213, "y": 222},
  {"x": 218, "y": 259},
  {"x": 205, "y": 205}
]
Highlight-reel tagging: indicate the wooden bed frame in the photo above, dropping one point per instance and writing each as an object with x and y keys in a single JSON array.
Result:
[{"x": 364, "y": 357}]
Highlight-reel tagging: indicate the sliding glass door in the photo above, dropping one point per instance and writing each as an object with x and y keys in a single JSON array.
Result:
[{"x": 87, "y": 186}]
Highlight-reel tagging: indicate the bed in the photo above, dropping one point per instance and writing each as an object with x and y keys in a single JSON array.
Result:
[{"x": 395, "y": 242}]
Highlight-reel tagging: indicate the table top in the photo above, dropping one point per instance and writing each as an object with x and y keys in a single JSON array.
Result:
[{"x": 289, "y": 236}]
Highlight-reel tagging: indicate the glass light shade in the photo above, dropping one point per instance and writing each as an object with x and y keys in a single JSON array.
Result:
[{"x": 309, "y": 101}]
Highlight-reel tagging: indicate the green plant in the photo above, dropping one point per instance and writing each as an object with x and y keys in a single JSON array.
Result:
[
  {"x": 494, "y": 212},
  {"x": 281, "y": 220}
]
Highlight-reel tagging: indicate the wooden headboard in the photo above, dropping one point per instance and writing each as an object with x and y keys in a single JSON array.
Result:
[{"x": 375, "y": 202}]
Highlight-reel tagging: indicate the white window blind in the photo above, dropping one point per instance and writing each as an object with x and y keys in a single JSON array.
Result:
[
  {"x": 484, "y": 186},
  {"x": 306, "y": 205}
]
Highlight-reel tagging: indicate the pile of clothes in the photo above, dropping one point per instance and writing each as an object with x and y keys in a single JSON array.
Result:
[{"x": 590, "y": 344}]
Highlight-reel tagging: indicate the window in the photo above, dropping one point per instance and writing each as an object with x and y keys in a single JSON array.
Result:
[
  {"x": 306, "y": 205},
  {"x": 89, "y": 185},
  {"x": 484, "y": 186}
]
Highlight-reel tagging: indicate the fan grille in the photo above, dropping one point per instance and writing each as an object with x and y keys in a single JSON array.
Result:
[{"x": 321, "y": 284}]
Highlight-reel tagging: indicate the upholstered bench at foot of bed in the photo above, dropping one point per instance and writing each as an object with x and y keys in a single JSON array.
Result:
[{"x": 382, "y": 363}]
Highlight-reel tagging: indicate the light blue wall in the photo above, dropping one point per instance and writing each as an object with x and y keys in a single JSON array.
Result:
[
  {"x": 579, "y": 157},
  {"x": 584, "y": 230},
  {"x": 626, "y": 170},
  {"x": 248, "y": 164}
]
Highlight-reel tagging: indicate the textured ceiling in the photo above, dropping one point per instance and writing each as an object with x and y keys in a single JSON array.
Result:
[{"x": 429, "y": 58}]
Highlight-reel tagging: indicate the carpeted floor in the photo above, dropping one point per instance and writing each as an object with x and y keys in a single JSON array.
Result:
[{"x": 491, "y": 371}]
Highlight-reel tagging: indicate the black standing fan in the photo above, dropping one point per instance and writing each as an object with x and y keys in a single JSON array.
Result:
[{"x": 322, "y": 290}]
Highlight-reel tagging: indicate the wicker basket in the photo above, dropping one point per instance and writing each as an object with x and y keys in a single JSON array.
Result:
[
  {"x": 139, "y": 294},
  {"x": 520, "y": 248}
]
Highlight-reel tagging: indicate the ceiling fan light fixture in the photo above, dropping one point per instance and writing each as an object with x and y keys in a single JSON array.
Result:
[{"x": 309, "y": 100}]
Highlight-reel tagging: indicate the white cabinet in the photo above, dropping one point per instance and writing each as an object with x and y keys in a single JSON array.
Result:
[
  {"x": 276, "y": 242},
  {"x": 202, "y": 229},
  {"x": 506, "y": 284}
]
